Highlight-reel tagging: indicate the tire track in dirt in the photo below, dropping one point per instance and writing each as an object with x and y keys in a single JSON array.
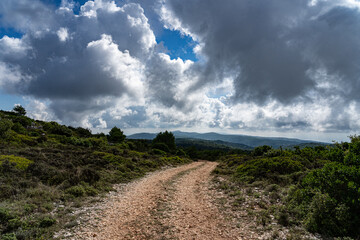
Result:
[
  {"x": 132, "y": 214},
  {"x": 169, "y": 204},
  {"x": 193, "y": 216}
]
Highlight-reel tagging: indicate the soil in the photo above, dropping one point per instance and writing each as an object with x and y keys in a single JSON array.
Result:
[{"x": 175, "y": 203}]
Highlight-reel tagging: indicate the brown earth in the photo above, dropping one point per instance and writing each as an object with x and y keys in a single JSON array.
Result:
[{"x": 170, "y": 204}]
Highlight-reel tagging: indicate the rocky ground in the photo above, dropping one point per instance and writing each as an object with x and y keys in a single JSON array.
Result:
[{"x": 175, "y": 203}]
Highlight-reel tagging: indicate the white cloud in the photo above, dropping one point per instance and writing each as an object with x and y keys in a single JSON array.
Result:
[
  {"x": 63, "y": 34},
  {"x": 119, "y": 65},
  {"x": 14, "y": 47},
  {"x": 102, "y": 124},
  {"x": 39, "y": 110},
  {"x": 286, "y": 67},
  {"x": 172, "y": 22},
  {"x": 10, "y": 77},
  {"x": 89, "y": 9}
]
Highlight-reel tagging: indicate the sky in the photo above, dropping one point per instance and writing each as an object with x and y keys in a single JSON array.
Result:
[{"x": 265, "y": 68}]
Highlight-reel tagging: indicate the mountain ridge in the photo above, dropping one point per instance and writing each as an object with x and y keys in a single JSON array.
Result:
[{"x": 248, "y": 140}]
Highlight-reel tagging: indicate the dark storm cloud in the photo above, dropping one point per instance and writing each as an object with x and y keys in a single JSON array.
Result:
[
  {"x": 271, "y": 45},
  {"x": 162, "y": 77},
  {"x": 334, "y": 44},
  {"x": 25, "y": 15},
  {"x": 75, "y": 60},
  {"x": 263, "y": 64}
]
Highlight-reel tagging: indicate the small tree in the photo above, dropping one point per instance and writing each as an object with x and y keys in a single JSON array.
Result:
[
  {"x": 116, "y": 135},
  {"x": 5, "y": 126},
  {"x": 20, "y": 110},
  {"x": 166, "y": 138}
]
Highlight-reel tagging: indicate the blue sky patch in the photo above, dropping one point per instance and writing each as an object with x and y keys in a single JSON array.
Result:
[
  {"x": 179, "y": 46},
  {"x": 10, "y": 32},
  {"x": 8, "y": 101}
]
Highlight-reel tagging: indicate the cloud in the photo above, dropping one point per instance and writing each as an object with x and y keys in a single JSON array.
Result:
[
  {"x": 267, "y": 65},
  {"x": 269, "y": 47},
  {"x": 63, "y": 34},
  {"x": 80, "y": 62},
  {"x": 25, "y": 15}
]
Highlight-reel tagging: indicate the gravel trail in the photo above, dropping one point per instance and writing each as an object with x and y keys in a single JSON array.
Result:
[{"x": 170, "y": 204}]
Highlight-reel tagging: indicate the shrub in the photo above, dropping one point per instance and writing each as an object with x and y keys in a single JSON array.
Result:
[
  {"x": 161, "y": 146},
  {"x": 5, "y": 126},
  {"x": 83, "y": 132},
  {"x": 82, "y": 142},
  {"x": 261, "y": 168},
  {"x": 181, "y": 153},
  {"x": 261, "y": 150},
  {"x": 116, "y": 135},
  {"x": 24, "y": 121},
  {"x": 76, "y": 191},
  {"x": 97, "y": 142},
  {"x": 328, "y": 199},
  {"x": 17, "y": 127},
  {"x": 47, "y": 221},
  {"x": 90, "y": 191},
  {"x": 22, "y": 139},
  {"x": 21, "y": 163},
  {"x": 5, "y": 215},
  {"x": 20, "y": 110},
  {"x": 158, "y": 152},
  {"x": 166, "y": 138},
  {"x": 9, "y": 236},
  {"x": 89, "y": 175},
  {"x": 55, "y": 128}
]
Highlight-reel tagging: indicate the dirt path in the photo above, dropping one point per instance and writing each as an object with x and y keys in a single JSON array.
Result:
[{"x": 170, "y": 204}]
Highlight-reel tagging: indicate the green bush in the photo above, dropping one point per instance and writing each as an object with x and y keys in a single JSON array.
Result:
[
  {"x": 24, "y": 121},
  {"x": 55, "y": 128},
  {"x": 5, "y": 126},
  {"x": 21, "y": 163},
  {"x": 97, "y": 142},
  {"x": 5, "y": 215},
  {"x": 21, "y": 139},
  {"x": 47, "y": 221},
  {"x": 20, "y": 110},
  {"x": 166, "y": 138},
  {"x": 83, "y": 132},
  {"x": 76, "y": 191},
  {"x": 161, "y": 146},
  {"x": 328, "y": 200},
  {"x": 9, "y": 236},
  {"x": 261, "y": 150},
  {"x": 181, "y": 153},
  {"x": 158, "y": 152},
  {"x": 17, "y": 127},
  {"x": 116, "y": 135},
  {"x": 263, "y": 168}
]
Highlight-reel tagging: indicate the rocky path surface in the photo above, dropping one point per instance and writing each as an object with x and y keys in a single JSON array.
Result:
[{"x": 170, "y": 204}]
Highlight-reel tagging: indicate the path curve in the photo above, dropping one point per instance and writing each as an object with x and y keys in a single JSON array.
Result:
[{"x": 169, "y": 204}]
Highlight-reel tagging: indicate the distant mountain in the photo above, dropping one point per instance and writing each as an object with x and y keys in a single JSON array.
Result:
[
  {"x": 248, "y": 141},
  {"x": 147, "y": 136},
  {"x": 208, "y": 144}
]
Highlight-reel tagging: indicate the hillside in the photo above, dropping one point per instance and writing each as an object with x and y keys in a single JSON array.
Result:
[
  {"x": 244, "y": 141},
  {"x": 208, "y": 145},
  {"x": 52, "y": 175},
  {"x": 48, "y": 170}
]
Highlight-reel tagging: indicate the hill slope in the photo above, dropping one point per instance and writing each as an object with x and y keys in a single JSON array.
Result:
[
  {"x": 48, "y": 170},
  {"x": 201, "y": 144},
  {"x": 249, "y": 141}
]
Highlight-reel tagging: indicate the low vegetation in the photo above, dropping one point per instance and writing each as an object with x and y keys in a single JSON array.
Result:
[
  {"x": 48, "y": 170},
  {"x": 316, "y": 189}
]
